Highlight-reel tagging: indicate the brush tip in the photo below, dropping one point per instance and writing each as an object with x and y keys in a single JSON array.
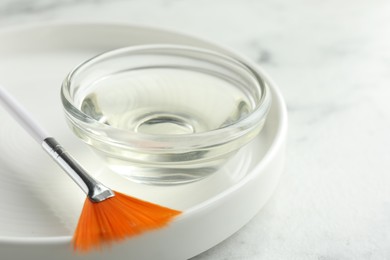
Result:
[{"x": 117, "y": 218}]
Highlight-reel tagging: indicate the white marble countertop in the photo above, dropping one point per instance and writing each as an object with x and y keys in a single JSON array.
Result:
[{"x": 332, "y": 62}]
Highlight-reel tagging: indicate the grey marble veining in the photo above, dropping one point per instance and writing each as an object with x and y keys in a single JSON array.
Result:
[{"x": 332, "y": 62}]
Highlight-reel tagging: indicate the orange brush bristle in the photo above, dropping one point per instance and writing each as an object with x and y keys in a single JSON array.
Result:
[{"x": 117, "y": 218}]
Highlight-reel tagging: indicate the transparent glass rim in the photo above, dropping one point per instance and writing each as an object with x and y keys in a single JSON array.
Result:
[{"x": 219, "y": 135}]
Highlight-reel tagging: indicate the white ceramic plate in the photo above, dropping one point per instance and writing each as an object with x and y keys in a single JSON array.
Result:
[{"x": 39, "y": 205}]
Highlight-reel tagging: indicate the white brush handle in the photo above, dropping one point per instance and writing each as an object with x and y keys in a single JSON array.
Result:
[
  {"x": 22, "y": 116},
  {"x": 96, "y": 191}
]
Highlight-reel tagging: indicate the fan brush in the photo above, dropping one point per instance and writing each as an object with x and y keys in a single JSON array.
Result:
[{"x": 107, "y": 216}]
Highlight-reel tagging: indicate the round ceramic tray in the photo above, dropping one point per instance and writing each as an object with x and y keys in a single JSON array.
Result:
[{"x": 40, "y": 205}]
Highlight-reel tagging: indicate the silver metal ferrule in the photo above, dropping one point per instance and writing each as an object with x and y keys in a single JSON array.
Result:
[{"x": 95, "y": 190}]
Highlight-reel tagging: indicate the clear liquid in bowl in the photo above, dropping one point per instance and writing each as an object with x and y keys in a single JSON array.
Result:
[{"x": 169, "y": 101}]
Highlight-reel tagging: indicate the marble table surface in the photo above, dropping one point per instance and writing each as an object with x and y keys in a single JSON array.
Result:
[{"x": 332, "y": 62}]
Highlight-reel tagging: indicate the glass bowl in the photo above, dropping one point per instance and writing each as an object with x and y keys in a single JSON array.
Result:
[{"x": 165, "y": 114}]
